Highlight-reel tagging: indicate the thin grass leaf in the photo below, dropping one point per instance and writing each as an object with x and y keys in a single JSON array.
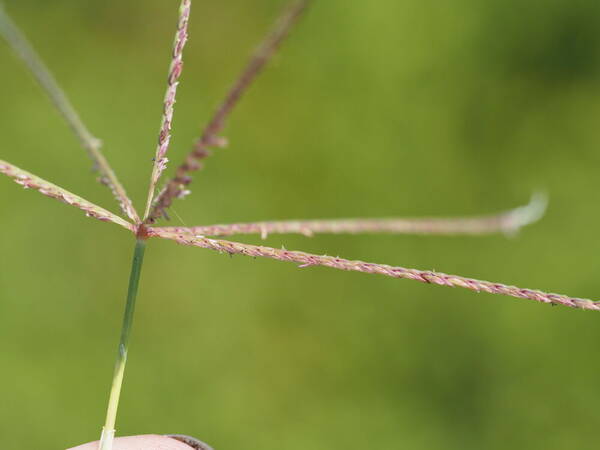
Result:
[
  {"x": 176, "y": 187},
  {"x": 508, "y": 222},
  {"x": 308, "y": 259},
  {"x": 20, "y": 45},
  {"x": 29, "y": 181},
  {"x": 164, "y": 137}
]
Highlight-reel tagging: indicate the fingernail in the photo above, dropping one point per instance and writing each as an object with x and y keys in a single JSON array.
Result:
[{"x": 192, "y": 442}]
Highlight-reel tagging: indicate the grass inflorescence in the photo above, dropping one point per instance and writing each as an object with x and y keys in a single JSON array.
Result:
[{"x": 143, "y": 226}]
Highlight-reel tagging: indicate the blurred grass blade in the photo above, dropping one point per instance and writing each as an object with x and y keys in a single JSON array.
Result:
[
  {"x": 164, "y": 136},
  {"x": 175, "y": 187},
  {"x": 508, "y": 222},
  {"x": 18, "y": 42},
  {"x": 308, "y": 259},
  {"x": 28, "y": 180}
]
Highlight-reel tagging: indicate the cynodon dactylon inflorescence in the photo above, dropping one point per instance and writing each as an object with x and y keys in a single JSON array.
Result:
[{"x": 207, "y": 236}]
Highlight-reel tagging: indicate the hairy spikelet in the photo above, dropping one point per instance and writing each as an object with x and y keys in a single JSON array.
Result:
[
  {"x": 176, "y": 187},
  {"x": 308, "y": 259},
  {"x": 164, "y": 136},
  {"x": 508, "y": 222},
  {"x": 29, "y": 181}
]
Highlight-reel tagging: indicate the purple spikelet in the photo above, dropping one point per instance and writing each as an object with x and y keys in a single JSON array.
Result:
[{"x": 164, "y": 136}]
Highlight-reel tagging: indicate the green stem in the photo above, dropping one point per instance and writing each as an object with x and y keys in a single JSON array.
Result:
[{"x": 108, "y": 432}]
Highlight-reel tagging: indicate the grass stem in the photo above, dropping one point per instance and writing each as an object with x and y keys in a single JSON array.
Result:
[{"x": 108, "y": 432}]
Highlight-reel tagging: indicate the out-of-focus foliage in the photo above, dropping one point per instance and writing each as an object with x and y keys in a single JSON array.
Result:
[{"x": 383, "y": 108}]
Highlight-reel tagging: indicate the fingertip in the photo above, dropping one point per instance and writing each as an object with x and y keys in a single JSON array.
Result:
[{"x": 142, "y": 442}]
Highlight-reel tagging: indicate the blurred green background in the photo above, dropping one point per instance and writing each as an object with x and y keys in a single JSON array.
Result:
[{"x": 387, "y": 108}]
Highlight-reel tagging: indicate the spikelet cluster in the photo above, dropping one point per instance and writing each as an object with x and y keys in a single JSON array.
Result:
[{"x": 30, "y": 181}]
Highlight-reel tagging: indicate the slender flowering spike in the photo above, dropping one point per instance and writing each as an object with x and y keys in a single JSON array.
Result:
[
  {"x": 28, "y": 180},
  {"x": 307, "y": 260},
  {"x": 160, "y": 160},
  {"x": 507, "y": 222},
  {"x": 210, "y": 137},
  {"x": 40, "y": 72}
]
